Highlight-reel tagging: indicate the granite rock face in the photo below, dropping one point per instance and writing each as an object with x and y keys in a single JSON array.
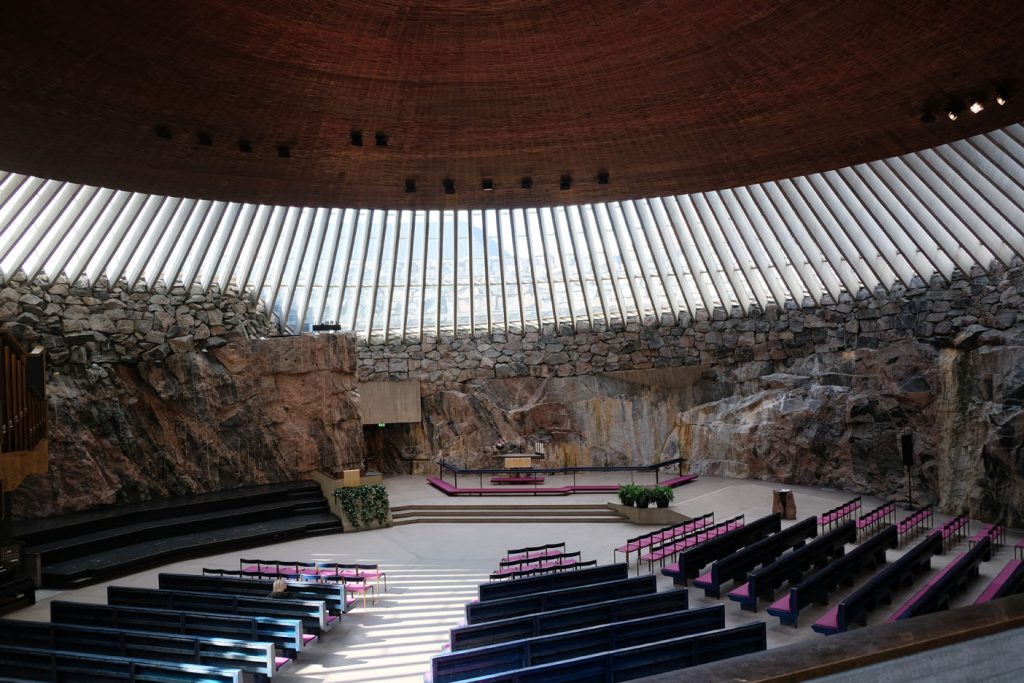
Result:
[
  {"x": 816, "y": 395},
  {"x": 166, "y": 409}
]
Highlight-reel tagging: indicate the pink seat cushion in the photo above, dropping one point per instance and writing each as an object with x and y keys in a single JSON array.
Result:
[
  {"x": 331, "y": 618},
  {"x": 703, "y": 580},
  {"x": 741, "y": 592},
  {"x": 308, "y": 638},
  {"x": 830, "y": 619},
  {"x": 781, "y": 605},
  {"x": 279, "y": 662}
]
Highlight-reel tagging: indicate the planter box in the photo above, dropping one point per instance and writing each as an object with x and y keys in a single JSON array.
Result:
[{"x": 654, "y": 516}]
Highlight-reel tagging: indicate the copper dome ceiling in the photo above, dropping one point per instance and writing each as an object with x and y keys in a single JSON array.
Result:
[{"x": 662, "y": 97}]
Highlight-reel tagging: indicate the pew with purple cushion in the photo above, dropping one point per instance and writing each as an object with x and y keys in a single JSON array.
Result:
[
  {"x": 840, "y": 513},
  {"x": 868, "y": 523},
  {"x": 935, "y": 595},
  {"x": 518, "y": 605},
  {"x": 548, "y": 562},
  {"x": 879, "y": 588},
  {"x": 791, "y": 567},
  {"x": 662, "y": 552},
  {"x": 533, "y": 552},
  {"x": 868, "y": 555},
  {"x": 1009, "y": 581},
  {"x": 738, "y": 564},
  {"x": 545, "y": 568},
  {"x": 692, "y": 560},
  {"x": 550, "y": 582}
]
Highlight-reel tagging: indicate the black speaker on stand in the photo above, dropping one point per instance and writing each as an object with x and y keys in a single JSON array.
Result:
[{"x": 907, "y": 449}]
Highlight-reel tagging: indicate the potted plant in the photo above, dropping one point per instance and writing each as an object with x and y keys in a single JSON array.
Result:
[
  {"x": 643, "y": 497},
  {"x": 627, "y": 494},
  {"x": 662, "y": 496}
]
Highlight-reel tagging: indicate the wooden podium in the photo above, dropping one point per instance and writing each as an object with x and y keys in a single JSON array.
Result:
[{"x": 784, "y": 502}]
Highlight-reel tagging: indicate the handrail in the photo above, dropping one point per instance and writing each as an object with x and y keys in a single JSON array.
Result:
[{"x": 444, "y": 465}]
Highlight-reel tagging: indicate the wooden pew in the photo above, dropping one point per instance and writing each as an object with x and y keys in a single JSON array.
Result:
[
  {"x": 34, "y": 664},
  {"x": 935, "y": 594},
  {"x": 285, "y": 634},
  {"x": 533, "y": 552},
  {"x": 691, "y": 561},
  {"x": 738, "y": 564},
  {"x": 916, "y": 521},
  {"x": 1009, "y": 581},
  {"x": 791, "y": 567},
  {"x": 550, "y": 582},
  {"x": 643, "y": 660},
  {"x": 531, "y": 571},
  {"x": 255, "y": 658},
  {"x": 515, "y": 654},
  {"x": 479, "y": 612},
  {"x": 557, "y": 621},
  {"x": 884, "y": 514},
  {"x": 312, "y": 614},
  {"x": 331, "y": 594},
  {"x": 868, "y": 555},
  {"x": 879, "y": 588},
  {"x": 840, "y": 513}
]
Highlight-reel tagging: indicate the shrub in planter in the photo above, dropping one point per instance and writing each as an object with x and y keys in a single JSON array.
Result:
[
  {"x": 662, "y": 496},
  {"x": 643, "y": 497},
  {"x": 364, "y": 504},
  {"x": 628, "y": 493}
]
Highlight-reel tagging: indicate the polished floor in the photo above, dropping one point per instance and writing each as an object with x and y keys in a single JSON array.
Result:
[{"x": 433, "y": 570}]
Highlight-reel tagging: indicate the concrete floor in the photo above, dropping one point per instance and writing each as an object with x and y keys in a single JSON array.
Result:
[{"x": 433, "y": 570}]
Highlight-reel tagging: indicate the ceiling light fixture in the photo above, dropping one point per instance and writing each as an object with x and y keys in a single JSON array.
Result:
[
  {"x": 449, "y": 186},
  {"x": 1002, "y": 95},
  {"x": 928, "y": 117},
  {"x": 976, "y": 107},
  {"x": 953, "y": 113},
  {"x": 488, "y": 185}
]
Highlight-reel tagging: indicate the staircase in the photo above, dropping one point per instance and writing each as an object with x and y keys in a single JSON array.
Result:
[{"x": 504, "y": 514}]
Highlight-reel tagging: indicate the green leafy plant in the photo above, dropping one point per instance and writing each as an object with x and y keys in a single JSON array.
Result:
[
  {"x": 628, "y": 494},
  {"x": 662, "y": 496},
  {"x": 364, "y": 504},
  {"x": 643, "y": 497}
]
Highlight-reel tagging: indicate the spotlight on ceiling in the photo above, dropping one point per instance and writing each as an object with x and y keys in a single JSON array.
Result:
[
  {"x": 284, "y": 151},
  {"x": 488, "y": 184},
  {"x": 975, "y": 106},
  {"x": 410, "y": 185},
  {"x": 449, "y": 186},
  {"x": 162, "y": 131},
  {"x": 204, "y": 138},
  {"x": 381, "y": 139},
  {"x": 928, "y": 117},
  {"x": 244, "y": 145},
  {"x": 565, "y": 183},
  {"x": 953, "y": 113},
  {"x": 526, "y": 183},
  {"x": 602, "y": 178},
  {"x": 356, "y": 137},
  {"x": 1002, "y": 95}
]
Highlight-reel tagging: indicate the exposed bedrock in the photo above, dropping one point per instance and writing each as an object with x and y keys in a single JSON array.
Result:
[
  {"x": 195, "y": 418},
  {"x": 813, "y": 395}
]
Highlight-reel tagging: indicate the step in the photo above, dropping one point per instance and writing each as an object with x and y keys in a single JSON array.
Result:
[
  {"x": 510, "y": 506},
  {"x": 560, "y": 519},
  {"x": 430, "y": 512}
]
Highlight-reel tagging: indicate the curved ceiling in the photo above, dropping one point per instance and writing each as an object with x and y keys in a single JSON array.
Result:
[{"x": 666, "y": 97}]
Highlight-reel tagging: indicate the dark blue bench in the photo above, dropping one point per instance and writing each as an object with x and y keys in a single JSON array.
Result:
[
  {"x": 879, "y": 588},
  {"x": 736, "y": 566},
  {"x": 34, "y": 664},
  {"x": 1009, "y": 581},
  {"x": 313, "y": 614},
  {"x": 331, "y": 594},
  {"x": 556, "y": 621},
  {"x": 517, "y": 654},
  {"x": 935, "y": 594},
  {"x": 550, "y": 582},
  {"x": 868, "y": 555},
  {"x": 642, "y": 660},
  {"x": 285, "y": 634},
  {"x": 694, "y": 559},
  {"x": 255, "y": 658},
  {"x": 479, "y": 612},
  {"x": 791, "y": 567},
  {"x": 568, "y": 562}
]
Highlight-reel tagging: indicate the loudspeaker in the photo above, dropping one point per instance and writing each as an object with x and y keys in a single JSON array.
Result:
[{"x": 907, "y": 447}]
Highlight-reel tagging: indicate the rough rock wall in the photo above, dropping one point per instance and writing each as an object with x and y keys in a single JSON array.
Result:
[
  {"x": 169, "y": 392},
  {"x": 815, "y": 395}
]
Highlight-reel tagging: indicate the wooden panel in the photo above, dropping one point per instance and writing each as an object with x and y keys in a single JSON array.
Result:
[
  {"x": 667, "y": 97},
  {"x": 389, "y": 402}
]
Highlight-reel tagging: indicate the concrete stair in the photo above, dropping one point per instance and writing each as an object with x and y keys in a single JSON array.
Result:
[{"x": 504, "y": 514}]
